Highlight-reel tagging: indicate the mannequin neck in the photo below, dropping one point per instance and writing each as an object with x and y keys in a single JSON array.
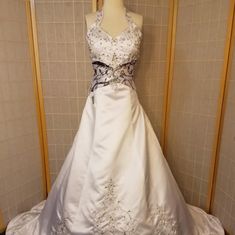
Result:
[{"x": 113, "y": 4}]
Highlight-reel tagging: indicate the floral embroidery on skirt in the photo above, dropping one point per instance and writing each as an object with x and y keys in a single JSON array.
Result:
[
  {"x": 162, "y": 222},
  {"x": 60, "y": 228},
  {"x": 111, "y": 218}
]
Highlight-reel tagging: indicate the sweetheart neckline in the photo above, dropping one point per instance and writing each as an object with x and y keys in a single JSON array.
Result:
[
  {"x": 108, "y": 35},
  {"x": 115, "y": 37}
]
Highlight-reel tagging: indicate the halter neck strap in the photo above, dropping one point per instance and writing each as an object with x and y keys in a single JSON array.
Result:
[{"x": 100, "y": 16}]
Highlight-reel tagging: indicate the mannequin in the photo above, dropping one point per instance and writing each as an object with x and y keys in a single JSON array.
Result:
[{"x": 113, "y": 10}]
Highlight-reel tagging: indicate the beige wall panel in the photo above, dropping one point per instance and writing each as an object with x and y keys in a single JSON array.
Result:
[
  {"x": 65, "y": 72},
  {"x": 21, "y": 182},
  {"x": 199, "y": 53},
  {"x": 224, "y": 201}
]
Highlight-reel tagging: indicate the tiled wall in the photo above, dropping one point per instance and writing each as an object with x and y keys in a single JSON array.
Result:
[
  {"x": 66, "y": 67},
  {"x": 224, "y": 203},
  {"x": 200, "y": 40},
  {"x": 20, "y": 158}
]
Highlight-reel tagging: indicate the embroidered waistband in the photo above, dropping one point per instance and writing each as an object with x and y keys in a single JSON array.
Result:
[{"x": 105, "y": 74}]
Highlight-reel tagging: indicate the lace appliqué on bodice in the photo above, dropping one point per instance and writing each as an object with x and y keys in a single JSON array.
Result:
[
  {"x": 113, "y": 59},
  {"x": 111, "y": 218}
]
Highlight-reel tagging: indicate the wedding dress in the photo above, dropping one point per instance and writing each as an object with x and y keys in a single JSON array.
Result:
[{"x": 115, "y": 178}]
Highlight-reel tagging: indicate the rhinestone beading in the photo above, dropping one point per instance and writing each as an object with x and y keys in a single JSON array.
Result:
[{"x": 113, "y": 59}]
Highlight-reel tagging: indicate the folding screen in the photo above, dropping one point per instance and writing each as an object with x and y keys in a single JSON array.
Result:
[{"x": 198, "y": 63}]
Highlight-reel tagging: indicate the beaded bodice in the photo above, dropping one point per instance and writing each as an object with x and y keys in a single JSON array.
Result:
[{"x": 113, "y": 58}]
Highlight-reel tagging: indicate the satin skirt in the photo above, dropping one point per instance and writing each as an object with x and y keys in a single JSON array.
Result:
[{"x": 115, "y": 179}]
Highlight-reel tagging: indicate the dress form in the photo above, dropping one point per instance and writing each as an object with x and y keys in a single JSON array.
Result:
[{"x": 113, "y": 10}]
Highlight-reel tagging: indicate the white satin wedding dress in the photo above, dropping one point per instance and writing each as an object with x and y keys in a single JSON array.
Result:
[{"x": 115, "y": 179}]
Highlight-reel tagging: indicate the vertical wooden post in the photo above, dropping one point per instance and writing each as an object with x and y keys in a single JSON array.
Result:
[
  {"x": 94, "y": 5},
  {"x": 2, "y": 225},
  {"x": 221, "y": 107},
  {"x": 100, "y": 4},
  {"x": 169, "y": 70},
  {"x": 34, "y": 52}
]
